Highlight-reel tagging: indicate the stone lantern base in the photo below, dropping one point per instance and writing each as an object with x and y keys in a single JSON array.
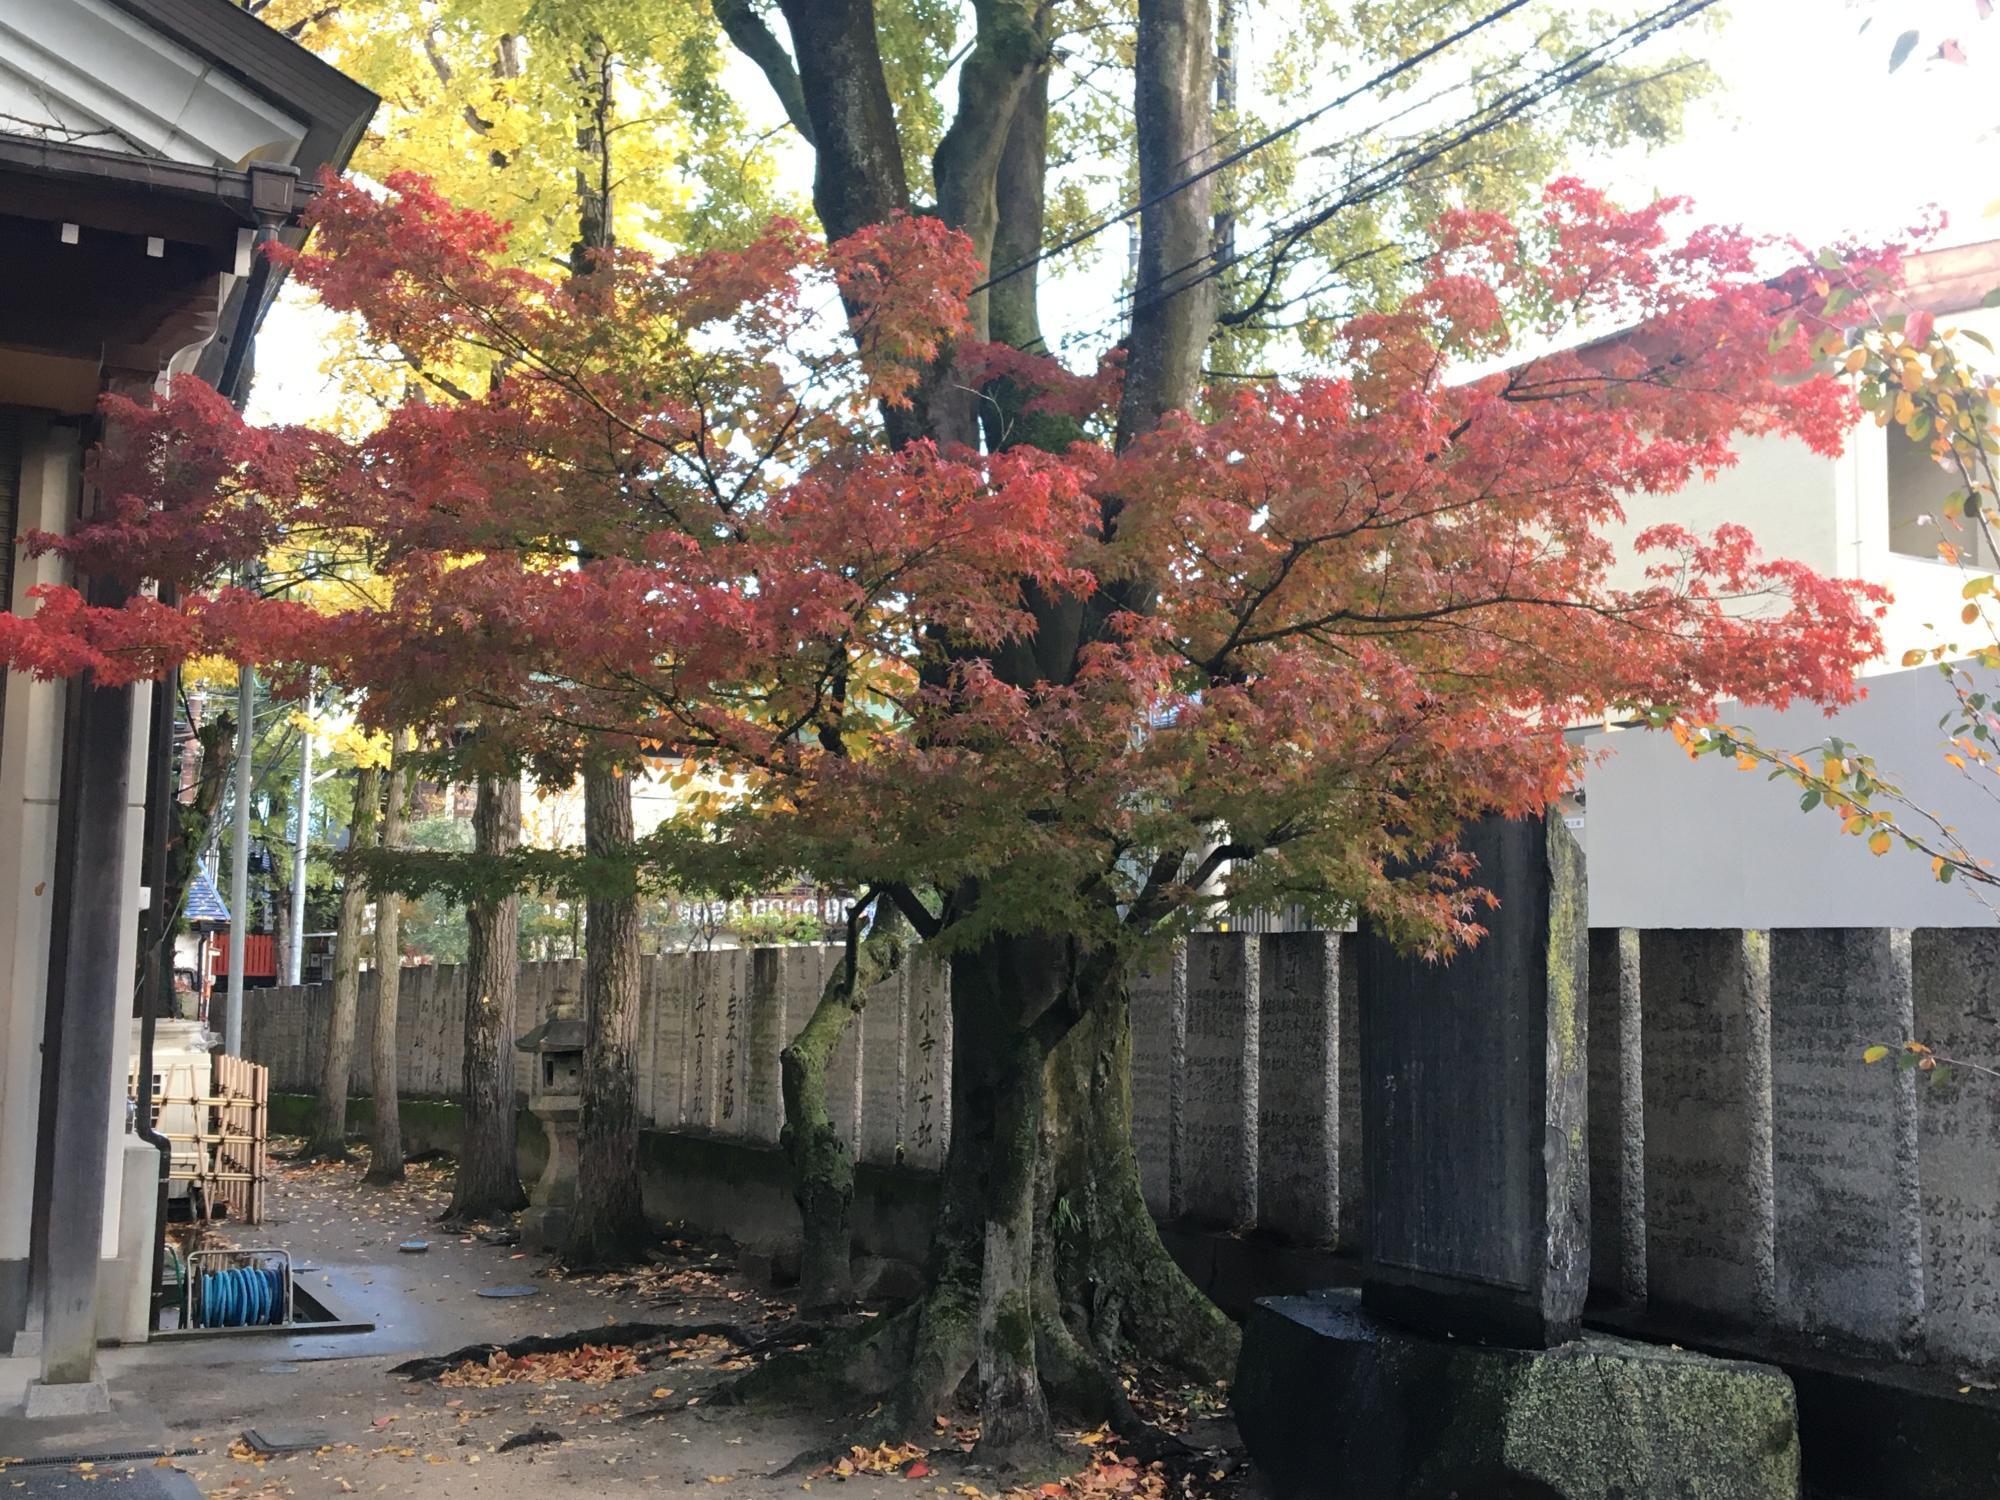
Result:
[{"x": 552, "y": 1200}]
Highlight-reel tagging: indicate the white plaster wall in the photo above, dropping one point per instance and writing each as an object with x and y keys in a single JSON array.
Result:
[
  {"x": 1677, "y": 843},
  {"x": 1780, "y": 489}
]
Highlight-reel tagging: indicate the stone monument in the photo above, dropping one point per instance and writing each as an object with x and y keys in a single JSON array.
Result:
[{"x": 1460, "y": 1368}]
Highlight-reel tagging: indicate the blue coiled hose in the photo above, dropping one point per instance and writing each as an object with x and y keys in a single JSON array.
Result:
[{"x": 243, "y": 1297}]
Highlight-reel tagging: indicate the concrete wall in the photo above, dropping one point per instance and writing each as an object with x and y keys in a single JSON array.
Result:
[
  {"x": 1680, "y": 843},
  {"x": 1757, "y": 1175}
]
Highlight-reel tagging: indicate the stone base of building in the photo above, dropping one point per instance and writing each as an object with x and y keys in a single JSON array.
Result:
[{"x": 1334, "y": 1402}]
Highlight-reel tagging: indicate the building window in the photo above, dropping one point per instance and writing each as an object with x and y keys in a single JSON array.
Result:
[{"x": 1918, "y": 489}]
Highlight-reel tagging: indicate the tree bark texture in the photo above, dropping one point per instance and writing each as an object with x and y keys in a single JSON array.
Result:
[
  {"x": 385, "y": 1137},
  {"x": 609, "y": 1226},
  {"x": 489, "y": 1180},
  {"x": 822, "y": 1163},
  {"x": 327, "y": 1139},
  {"x": 1174, "y": 299}
]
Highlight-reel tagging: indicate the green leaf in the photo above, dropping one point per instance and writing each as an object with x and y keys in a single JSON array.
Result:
[
  {"x": 1991, "y": 299},
  {"x": 1810, "y": 800},
  {"x": 1978, "y": 338},
  {"x": 1829, "y": 259},
  {"x": 1900, "y": 53}
]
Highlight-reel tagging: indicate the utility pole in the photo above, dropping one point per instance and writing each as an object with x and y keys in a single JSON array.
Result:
[
  {"x": 239, "y": 858},
  {"x": 296, "y": 944}
]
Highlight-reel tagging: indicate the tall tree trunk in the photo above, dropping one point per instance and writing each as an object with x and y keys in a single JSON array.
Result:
[
  {"x": 385, "y": 1156},
  {"x": 327, "y": 1139},
  {"x": 822, "y": 1163},
  {"x": 1174, "y": 300},
  {"x": 979, "y": 1313},
  {"x": 1115, "y": 1282},
  {"x": 489, "y": 1177},
  {"x": 609, "y": 1226}
]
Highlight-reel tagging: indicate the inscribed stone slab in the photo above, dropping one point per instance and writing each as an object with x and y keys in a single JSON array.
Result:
[
  {"x": 1617, "y": 1117},
  {"x": 1705, "y": 1010},
  {"x": 1844, "y": 1138},
  {"x": 927, "y": 1064},
  {"x": 1956, "y": 984},
  {"x": 1218, "y": 1090},
  {"x": 1159, "y": 1011},
  {"x": 1298, "y": 1105}
]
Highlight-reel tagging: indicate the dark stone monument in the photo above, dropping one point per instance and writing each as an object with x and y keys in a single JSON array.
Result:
[
  {"x": 1460, "y": 1368},
  {"x": 1473, "y": 1106}
]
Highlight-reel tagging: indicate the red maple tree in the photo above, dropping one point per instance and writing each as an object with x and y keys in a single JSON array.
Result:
[{"x": 1039, "y": 700}]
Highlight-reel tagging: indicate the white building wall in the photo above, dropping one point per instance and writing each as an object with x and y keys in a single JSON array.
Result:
[{"x": 1680, "y": 843}]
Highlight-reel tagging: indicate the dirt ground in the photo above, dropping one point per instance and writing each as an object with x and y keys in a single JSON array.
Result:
[{"x": 586, "y": 1422}]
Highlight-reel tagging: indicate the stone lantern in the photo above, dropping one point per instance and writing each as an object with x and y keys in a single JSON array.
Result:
[{"x": 555, "y": 1097}]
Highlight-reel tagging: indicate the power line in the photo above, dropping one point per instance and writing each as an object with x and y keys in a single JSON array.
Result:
[
  {"x": 1382, "y": 176},
  {"x": 1251, "y": 147}
]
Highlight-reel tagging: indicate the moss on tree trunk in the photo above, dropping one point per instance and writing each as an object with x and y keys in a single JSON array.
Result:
[
  {"x": 822, "y": 1163},
  {"x": 1113, "y": 1274}
]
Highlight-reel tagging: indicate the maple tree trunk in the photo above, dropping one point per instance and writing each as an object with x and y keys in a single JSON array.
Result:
[
  {"x": 822, "y": 1163},
  {"x": 385, "y": 1136},
  {"x": 1112, "y": 1274},
  {"x": 488, "y": 1182},
  {"x": 326, "y": 1140},
  {"x": 609, "y": 1226}
]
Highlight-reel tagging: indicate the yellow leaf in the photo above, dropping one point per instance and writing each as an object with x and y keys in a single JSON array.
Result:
[
  {"x": 1875, "y": 1053},
  {"x": 1745, "y": 761},
  {"x": 1969, "y": 614},
  {"x": 1879, "y": 841},
  {"x": 1905, "y": 408},
  {"x": 1912, "y": 657},
  {"x": 1856, "y": 360},
  {"x": 1956, "y": 760}
]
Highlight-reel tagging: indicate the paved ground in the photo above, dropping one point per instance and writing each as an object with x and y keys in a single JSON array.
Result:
[{"x": 366, "y": 1431}]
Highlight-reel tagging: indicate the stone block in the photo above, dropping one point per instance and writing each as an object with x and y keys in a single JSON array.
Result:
[
  {"x": 1473, "y": 1081},
  {"x": 1956, "y": 1001},
  {"x": 883, "y": 1055},
  {"x": 1849, "y": 1251},
  {"x": 1218, "y": 1081},
  {"x": 1298, "y": 1090},
  {"x": 1617, "y": 1118},
  {"x": 927, "y": 1064},
  {"x": 1159, "y": 1042},
  {"x": 768, "y": 1031},
  {"x": 1353, "y": 1152},
  {"x": 1705, "y": 1012},
  {"x": 81, "y": 1398},
  {"x": 1331, "y": 1401}
]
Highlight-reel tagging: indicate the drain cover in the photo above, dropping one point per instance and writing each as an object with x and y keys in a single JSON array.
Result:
[{"x": 508, "y": 1291}]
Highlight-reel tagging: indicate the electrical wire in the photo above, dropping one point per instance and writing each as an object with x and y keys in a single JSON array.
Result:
[{"x": 1249, "y": 148}]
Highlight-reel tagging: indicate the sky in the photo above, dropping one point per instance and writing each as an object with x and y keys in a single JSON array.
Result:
[{"x": 1808, "y": 134}]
